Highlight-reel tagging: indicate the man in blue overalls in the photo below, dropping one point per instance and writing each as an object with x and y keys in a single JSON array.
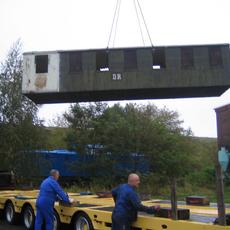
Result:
[
  {"x": 50, "y": 191},
  {"x": 127, "y": 203}
]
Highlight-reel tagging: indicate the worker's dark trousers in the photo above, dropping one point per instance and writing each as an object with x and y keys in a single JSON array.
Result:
[
  {"x": 44, "y": 214},
  {"x": 119, "y": 223}
]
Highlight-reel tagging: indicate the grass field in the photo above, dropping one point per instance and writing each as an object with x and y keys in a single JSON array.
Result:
[{"x": 164, "y": 193}]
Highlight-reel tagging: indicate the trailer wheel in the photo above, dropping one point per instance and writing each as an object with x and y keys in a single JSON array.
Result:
[
  {"x": 11, "y": 216},
  {"x": 57, "y": 222},
  {"x": 28, "y": 217},
  {"x": 82, "y": 222}
]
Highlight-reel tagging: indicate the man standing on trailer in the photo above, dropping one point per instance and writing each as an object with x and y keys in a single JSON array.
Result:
[
  {"x": 127, "y": 203},
  {"x": 50, "y": 191}
]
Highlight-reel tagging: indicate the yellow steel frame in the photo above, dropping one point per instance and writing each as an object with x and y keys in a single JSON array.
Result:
[{"x": 101, "y": 220}]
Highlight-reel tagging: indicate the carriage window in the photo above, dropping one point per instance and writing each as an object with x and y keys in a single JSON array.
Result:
[
  {"x": 187, "y": 60},
  {"x": 102, "y": 61},
  {"x": 41, "y": 62},
  {"x": 158, "y": 58},
  {"x": 75, "y": 64},
  {"x": 215, "y": 57},
  {"x": 130, "y": 60}
]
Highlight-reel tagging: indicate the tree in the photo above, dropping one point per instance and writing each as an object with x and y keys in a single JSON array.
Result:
[
  {"x": 81, "y": 123},
  {"x": 153, "y": 132},
  {"x": 20, "y": 129},
  {"x": 134, "y": 130},
  {"x": 14, "y": 107},
  {"x": 175, "y": 161}
]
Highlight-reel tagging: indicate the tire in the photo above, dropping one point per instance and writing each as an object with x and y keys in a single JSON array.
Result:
[
  {"x": 57, "y": 222},
  {"x": 82, "y": 222},
  {"x": 11, "y": 216},
  {"x": 28, "y": 217}
]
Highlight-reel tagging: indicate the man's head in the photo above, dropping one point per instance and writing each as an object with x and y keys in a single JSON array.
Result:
[
  {"x": 54, "y": 173},
  {"x": 133, "y": 180}
]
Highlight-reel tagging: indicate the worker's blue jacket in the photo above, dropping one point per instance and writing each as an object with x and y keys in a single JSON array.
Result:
[
  {"x": 50, "y": 191},
  {"x": 127, "y": 203}
]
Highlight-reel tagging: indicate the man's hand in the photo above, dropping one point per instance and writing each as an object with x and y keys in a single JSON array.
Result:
[{"x": 74, "y": 202}]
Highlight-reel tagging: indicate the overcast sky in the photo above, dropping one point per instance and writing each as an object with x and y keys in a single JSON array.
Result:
[{"x": 77, "y": 24}]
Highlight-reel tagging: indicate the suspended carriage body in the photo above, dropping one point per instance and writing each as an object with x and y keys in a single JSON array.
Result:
[{"x": 126, "y": 73}]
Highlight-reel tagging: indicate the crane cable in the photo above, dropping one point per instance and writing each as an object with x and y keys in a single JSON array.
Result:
[
  {"x": 117, "y": 8},
  {"x": 118, "y": 13},
  {"x": 145, "y": 23},
  {"x": 139, "y": 22},
  {"x": 116, "y": 18}
]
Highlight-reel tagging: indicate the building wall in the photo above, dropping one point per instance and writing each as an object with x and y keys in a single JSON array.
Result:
[{"x": 223, "y": 126}]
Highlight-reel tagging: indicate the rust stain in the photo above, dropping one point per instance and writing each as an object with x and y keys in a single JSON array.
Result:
[{"x": 40, "y": 81}]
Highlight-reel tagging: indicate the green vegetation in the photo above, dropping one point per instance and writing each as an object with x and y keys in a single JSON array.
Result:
[
  {"x": 20, "y": 129},
  {"x": 176, "y": 157},
  {"x": 178, "y": 161},
  {"x": 56, "y": 137},
  {"x": 119, "y": 130}
]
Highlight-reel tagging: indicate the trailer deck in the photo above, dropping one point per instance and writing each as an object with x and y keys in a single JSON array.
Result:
[{"x": 95, "y": 213}]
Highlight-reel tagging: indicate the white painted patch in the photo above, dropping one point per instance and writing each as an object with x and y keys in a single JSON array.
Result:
[{"x": 40, "y": 82}]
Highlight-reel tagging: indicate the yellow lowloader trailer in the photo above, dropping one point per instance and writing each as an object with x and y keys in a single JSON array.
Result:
[{"x": 93, "y": 212}]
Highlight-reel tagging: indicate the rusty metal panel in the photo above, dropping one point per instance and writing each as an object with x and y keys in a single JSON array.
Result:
[{"x": 223, "y": 126}]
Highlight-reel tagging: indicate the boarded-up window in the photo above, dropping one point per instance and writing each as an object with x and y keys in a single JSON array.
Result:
[
  {"x": 187, "y": 60},
  {"x": 102, "y": 61},
  {"x": 41, "y": 62},
  {"x": 75, "y": 63},
  {"x": 158, "y": 58},
  {"x": 215, "y": 56},
  {"x": 130, "y": 59}
]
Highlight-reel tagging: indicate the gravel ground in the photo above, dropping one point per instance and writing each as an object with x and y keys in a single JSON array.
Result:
[{"x": 5, "y": 226}]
